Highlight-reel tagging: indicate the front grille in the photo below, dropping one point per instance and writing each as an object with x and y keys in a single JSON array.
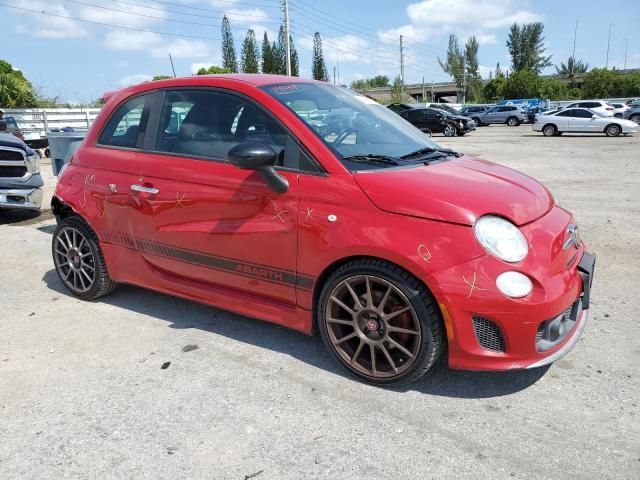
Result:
[
  {"x": 12, "y": 171},
  {"x": 10, "y": 155},
  {"x": 488, "y": 334},
  {"x": 551, "y": 332}
]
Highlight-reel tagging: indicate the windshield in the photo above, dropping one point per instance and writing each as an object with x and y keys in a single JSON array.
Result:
[{"x": 353, "y": 126}]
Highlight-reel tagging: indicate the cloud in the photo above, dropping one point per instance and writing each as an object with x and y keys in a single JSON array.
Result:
[
  {"x": 157, "y": 45},
  {"x": 485, "y": 71},
  {"x": 134, "y": 79},
  {"x": 48, "y": 26},
  {"x": 350, "y": 49},
  {"x": 432, "y": 18},
  {"x": 246, "y": 16},
  {"x": 222, "y": 3}
]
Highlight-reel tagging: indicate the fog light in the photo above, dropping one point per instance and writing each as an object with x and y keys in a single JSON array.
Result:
[{"x": 514, "y": 284}]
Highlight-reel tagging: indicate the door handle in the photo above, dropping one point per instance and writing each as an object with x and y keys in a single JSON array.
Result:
[{"x": 140, "y": 188}]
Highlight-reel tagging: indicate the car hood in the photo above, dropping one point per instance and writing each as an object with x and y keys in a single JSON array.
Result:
[
  {"x": 457, "y": 191},
  {"x": 459, "y": 117}
]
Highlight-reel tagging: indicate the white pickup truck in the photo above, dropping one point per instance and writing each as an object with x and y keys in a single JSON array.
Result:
[{"x": 20, "y": 180}]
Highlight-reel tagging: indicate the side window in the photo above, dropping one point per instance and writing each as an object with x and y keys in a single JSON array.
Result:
[
  {"x": 127, "y": 125},
  {"x": 566, "y": 113},
  {"x": 414, "y": 115},
  {"x": 207, "y": 124},
  {"x": 582, "y": 113}
]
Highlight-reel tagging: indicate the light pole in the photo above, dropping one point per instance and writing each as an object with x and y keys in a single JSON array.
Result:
[
  {"x": 608, "y": 46},
  {"x": 626, "y": 48}
]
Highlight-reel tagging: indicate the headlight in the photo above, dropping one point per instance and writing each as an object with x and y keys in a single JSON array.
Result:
[
  {"x": 514, "y": 284},
  {"x": 501, "y": 238},
  {"x": 34, "y": 162}
]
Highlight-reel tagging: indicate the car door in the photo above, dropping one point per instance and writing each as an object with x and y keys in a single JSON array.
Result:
[
  {"x": 492, "y": 115},
  {"x": 583, "y": 121},
  {"x": 561, "y": 120},
  {"x": 195, "y": 217},
  {"x": 432, "y": 120}
]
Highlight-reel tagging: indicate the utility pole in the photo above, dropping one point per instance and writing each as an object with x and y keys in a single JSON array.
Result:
[
  {"x": 608, "y": 45},
  {"x": 334, "y": 74},
  {"x": 626, "y": 48},
  {"x": 172, "y": 67},
  {"x": 338, "y": 64},
  {"x": 286, "y": 33},
  {"x": 433, "y": 94},
  {"x": 573, "y": 55},
  {"x": 401, "y": 70},
  {"x": 423, "y": 92}
]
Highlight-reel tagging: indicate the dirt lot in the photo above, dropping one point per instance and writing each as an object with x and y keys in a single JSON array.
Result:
[{"x": 82, "y": 394}]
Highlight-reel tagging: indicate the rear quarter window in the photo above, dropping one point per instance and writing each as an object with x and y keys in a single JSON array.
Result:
[{"x": 127, "y": 125}]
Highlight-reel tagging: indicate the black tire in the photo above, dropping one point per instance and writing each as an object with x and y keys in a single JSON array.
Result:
[
  {"x": 549, "y": 130},
  {"x": 461, "y": 133},
  {"x": 513, "y": 122},
  {"x": 100, "y": 284},
  {"x": 449, "y": 130},
  {"x": 613, "y": 130},
  {"x": 425, "y": 312},
  {"x": 635, "y": 118},
  {"x": 477, "y": 121},
  {"x": 559, "y": 133}
]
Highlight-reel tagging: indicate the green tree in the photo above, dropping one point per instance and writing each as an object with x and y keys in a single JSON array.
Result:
[
  {"x": 267, "y": 56},
  {"x": 318, "y": 65},
  {"x": 213, "y": 69},
  {"x": 379, "y": 81},
  {"x": 160, "y": 77},
  {"x": 398, "y": 94},
  {"x": 526, "y": 47},
  {"x": 522, "y": 84},
  {"x": 295, "y": 61},
  {"x": 229, "y": 59},
  {"x": 15, "y": 90},
  {"x": 249, "y": 54},
  {"x": 499, "y": 73},
  {"x": 474, "y": 81},
  {"x": 571, "y": 68},
  {"x": 493, "y": 90},
  {"x": 454, "y": 63},
  {"x": 601, "y": 83}
]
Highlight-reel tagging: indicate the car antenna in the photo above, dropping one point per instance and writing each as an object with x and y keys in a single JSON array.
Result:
[{"x": 172, "y": 67}]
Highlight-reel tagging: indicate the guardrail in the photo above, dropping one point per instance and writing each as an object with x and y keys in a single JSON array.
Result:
[{"x": 43, "y": 120}]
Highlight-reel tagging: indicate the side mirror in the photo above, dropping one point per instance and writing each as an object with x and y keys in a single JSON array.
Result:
[
  {"x": 593, "y": 117},
  {"x": 262, "y": 158}
]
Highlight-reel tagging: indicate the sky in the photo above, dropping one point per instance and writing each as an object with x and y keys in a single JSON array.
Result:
[{"x": 78, "y": 49}]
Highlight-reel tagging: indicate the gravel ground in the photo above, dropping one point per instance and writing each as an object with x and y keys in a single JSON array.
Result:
[{"x": 83, "y": 395}]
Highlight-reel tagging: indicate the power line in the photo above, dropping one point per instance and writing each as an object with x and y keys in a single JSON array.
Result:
[
  {"x": 189, "y": 14},
  {"x": 125, "y": 12},
  {"x": 104, "y": 24},
  {"x": 203, "y": 9}
]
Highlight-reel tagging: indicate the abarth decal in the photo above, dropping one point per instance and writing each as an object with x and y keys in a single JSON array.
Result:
[
  {"x": 472, "y": 284},
  {"x": 424, "y": 253},
  {"x": 251, "y": 270}
]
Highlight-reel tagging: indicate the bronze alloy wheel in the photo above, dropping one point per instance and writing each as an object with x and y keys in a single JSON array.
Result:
[
  {"x": 372, "y": 326},
  {"x": 74, "y": 259}
]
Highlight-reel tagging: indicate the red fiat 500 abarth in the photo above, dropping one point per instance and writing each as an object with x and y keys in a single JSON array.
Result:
[{"x": 307, "y": 205}]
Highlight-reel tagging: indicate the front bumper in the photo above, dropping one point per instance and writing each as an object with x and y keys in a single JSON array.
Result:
[
  {"x": 487, "y": 330},
  {"x": 26, "y": 199}
]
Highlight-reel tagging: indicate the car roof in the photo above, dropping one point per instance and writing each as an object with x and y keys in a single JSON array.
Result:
[{"x": 257, "y": 80}]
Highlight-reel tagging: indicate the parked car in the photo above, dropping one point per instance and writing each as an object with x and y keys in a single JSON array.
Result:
[
  {"x": 509, "y": 114},
  {"x": 402, "y": 107},
  {"x": 600, "y": 107},
  {"x": 394, "y": 249},
  {"x": 443, "y": 106},
  {"x": 633, "y": 114},
  {"x": 584, "y": 121},
  {"x": 473, "y": 111},
  {"x": 619, "y": 109},
  {"x": 20, "y": 180},
  {"x": 432, "y": 120}
]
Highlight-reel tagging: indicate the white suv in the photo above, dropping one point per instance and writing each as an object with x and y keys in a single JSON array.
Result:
[{"x": 600, "y": 107}]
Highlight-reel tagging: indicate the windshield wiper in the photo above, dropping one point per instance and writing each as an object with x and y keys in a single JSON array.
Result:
[
  {"x": 373, "y": 158},
  {"x": 429, "y": 152}
]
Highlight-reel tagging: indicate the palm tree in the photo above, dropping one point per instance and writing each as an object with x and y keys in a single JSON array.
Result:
[
  {"x": 15, "y": 92},
  {"x": 572, "y": 67}
]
